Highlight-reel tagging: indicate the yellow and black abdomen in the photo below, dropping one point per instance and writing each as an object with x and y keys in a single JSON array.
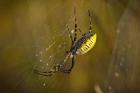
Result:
[{"x": 87, "y": 45}]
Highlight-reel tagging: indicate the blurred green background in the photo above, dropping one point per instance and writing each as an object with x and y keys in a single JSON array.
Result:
[{"x": 33, "y": 35}]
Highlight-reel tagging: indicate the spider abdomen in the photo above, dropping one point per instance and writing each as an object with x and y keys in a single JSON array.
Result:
[{"x": 87, "y": 45}]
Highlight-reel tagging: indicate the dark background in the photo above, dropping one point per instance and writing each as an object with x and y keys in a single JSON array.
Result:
[{"x": 28, "y": 27}]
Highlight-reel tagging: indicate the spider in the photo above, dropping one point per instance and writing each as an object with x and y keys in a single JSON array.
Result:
[{"x": 78, "y": 47}]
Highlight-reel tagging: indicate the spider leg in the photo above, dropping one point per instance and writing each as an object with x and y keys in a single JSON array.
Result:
[
  {"x": 90, "y": 21},
  {"x": 72, "y": 65},
  {"x": 75, "y": 26},
  {"x": 56, "y": 68},
  {"x": 70, "y": 35},
  {"x": 74, "y": 40},
  {"x": 51, "y": 72},
  {"x": 80, "y": 31},
  {"x": 43, "y": 73}
]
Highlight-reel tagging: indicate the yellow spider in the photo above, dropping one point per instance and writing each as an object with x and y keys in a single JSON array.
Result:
[{"x": 78, "y": 47}]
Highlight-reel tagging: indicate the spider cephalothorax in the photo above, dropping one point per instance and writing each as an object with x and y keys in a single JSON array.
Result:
[{"x": 78, "y": 47}]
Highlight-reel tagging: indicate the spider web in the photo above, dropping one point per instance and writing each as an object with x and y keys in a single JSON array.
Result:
[
  {"x": 55, "y": 50},
  {"x": 50, "y": 49},
  {"x": 52, "y": 52}
]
